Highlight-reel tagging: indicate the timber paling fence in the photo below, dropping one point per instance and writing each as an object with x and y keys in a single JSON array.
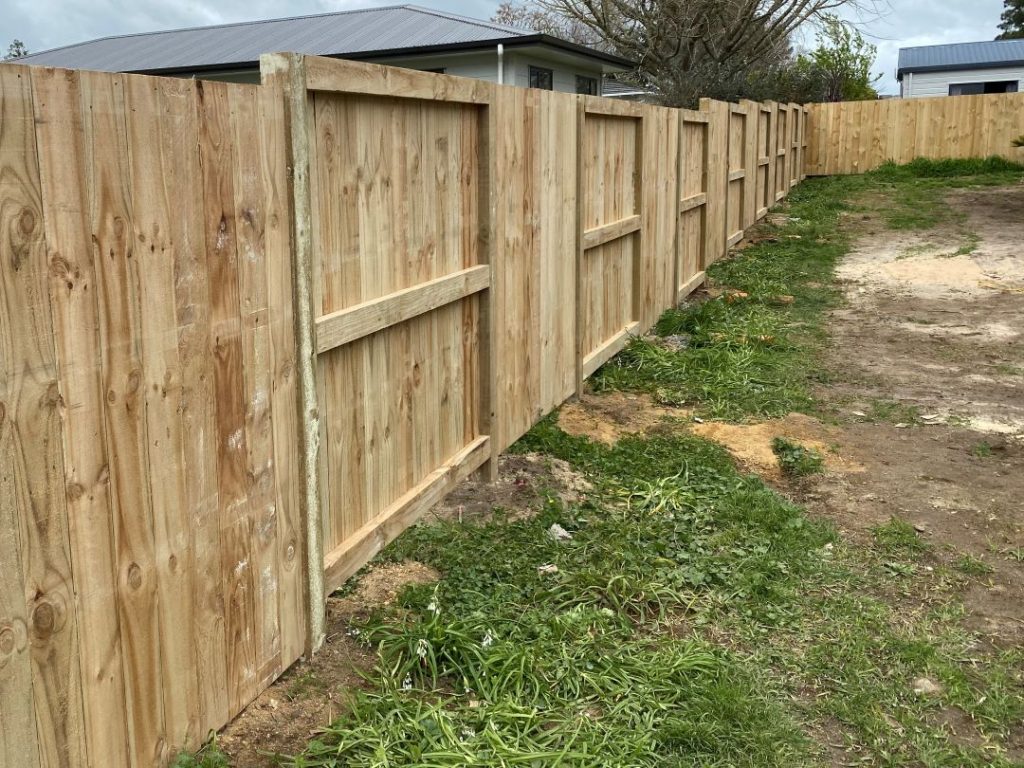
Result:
[
  {"x": 250, "y": 333},
  {"x": 858, "y": 136}
]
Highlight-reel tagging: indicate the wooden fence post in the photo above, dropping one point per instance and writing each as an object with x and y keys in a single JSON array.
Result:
[{"x": 289, "y": 71}]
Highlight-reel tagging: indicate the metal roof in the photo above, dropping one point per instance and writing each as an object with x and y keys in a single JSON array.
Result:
[
  {"x": 982, "y": 55},
  {"x": 352, "y": 34}
]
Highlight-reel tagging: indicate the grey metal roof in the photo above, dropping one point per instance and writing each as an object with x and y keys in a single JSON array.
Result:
[
  {"x": 346, "y": 33},
  {"x": 981, "y": 55}
]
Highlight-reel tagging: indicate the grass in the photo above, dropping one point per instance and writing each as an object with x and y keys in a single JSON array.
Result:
[{"x": 795, "y": 460}]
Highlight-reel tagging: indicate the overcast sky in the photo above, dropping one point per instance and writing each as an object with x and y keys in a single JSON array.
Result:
[{"x": 43, "y": 24}]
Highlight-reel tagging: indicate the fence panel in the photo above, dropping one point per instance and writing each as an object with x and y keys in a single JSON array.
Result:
[
  {"x": 400, "y": 217},
  {"x": 610, "y": 208},
  {"x": 718, "y": 178},
  {"x": 858, "y": 136},
  {"x": 141, "y": 306},
  {"x": 693, "y": 200}
]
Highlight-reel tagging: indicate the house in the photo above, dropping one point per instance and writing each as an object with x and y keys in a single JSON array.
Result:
[
  {"x": 401, "y": 35},
  {"x": 961, "y": 69},
  {"x": 617, "y": 89}
]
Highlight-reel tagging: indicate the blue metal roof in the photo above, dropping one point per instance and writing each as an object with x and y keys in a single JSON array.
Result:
[{"x": 982, "y": 55}]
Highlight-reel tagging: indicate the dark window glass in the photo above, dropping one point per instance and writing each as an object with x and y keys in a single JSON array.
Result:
[
  {"x": 541, "y": 78},
  {"x": 973, "y": 89},
  {"x": 587, "y": 85}
]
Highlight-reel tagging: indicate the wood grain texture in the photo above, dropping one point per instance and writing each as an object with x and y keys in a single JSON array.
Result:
[
  {"x": 856, "y": 137},
  {"x": 443, "y": 261}
]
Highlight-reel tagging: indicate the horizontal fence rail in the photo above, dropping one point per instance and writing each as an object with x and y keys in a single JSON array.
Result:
[
  {"x": 858, "y": 136},
  {"x": 251, "y": 333}
]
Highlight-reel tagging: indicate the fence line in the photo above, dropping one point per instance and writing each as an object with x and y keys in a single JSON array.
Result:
[
  {"x": 250, "y": 333},
  {"x": 858, "y": 136}
]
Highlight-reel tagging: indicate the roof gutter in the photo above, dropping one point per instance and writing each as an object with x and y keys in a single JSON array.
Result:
[{"x": 958, "y": 67}]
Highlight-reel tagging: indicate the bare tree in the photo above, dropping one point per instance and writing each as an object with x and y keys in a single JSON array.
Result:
[
  {"x": 537, "y": 18},
  {"x": 686, "y": 49}
]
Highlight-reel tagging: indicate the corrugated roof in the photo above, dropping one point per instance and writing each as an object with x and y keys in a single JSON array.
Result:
[
  {"x": 980, "y": 55},
  {"x": 328, "y": 34}
]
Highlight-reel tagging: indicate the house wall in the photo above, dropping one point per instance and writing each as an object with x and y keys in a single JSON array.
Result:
[
  {"x": 923, "y": 84},
  {"x": 480, "y": 66}
]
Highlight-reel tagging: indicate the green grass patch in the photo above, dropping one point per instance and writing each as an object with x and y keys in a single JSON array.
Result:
[{"x": 796, "y": 460}]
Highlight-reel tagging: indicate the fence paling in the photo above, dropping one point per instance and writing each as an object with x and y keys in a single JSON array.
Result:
[{"x": 252, "y": 333}]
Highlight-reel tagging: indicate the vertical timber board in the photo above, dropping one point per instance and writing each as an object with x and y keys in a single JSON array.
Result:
[
  {"x": 118, "y": 277},
  {"x": 66, "y": 209},
  {"x": 38, "y": 655},
  {"x": 234, "y": 510},
  {"x": 252, "y": 222},
  {"x": 287, "y": 73},
  {"x": 277, "y": 266},
  {"x": 153, "y": 143}
]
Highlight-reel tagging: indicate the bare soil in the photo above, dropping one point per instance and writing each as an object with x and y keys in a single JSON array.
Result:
[
  {"x": 941, "y": 334},
  {"x": 608, "y": 417}
]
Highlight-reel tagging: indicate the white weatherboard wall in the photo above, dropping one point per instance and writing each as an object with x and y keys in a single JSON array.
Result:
[
  {"x": 924, "y": 84},
  {"x": 479, "y": 66}
]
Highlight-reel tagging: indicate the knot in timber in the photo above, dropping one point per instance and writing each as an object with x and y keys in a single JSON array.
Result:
[{"x": 134, "y": 576}]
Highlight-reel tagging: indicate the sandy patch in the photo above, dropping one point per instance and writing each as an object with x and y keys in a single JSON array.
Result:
[
  {"x": 751, "y": 444},
  {"x": 523, "y": 484},
  {"x": 382, "y": 584},
  {"x": 608, "y": 417},
  {"x": 928, "y": 264}
]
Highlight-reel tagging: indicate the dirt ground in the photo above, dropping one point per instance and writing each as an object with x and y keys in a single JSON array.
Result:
[{"x": 940, "y": 333}]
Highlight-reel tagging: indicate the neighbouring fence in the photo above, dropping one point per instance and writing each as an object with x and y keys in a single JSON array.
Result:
[
  {"x": 250, "y": 333},
  {"x": 858, "y": 136}
]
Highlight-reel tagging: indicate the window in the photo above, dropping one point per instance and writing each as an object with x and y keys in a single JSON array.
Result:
[
  {"x": 541, "y": 78},
  {"x": 587, "y": 85},
  {"x": 972, "y": 89}
]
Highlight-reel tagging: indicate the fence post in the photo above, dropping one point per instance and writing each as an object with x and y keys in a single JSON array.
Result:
[
  {"x": 581, "y": 117},
  {"x": 289, "y": 71}
]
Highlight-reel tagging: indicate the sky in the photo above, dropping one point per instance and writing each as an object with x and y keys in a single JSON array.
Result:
[{"x": 43, "y": 24}]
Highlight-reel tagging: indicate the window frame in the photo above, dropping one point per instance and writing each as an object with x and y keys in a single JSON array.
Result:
[
  {"x": 592, "y": 81},
  {"x": 535, "y": 71}
]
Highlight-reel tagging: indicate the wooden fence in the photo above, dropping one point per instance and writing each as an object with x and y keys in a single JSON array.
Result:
[
  {"x": 250, "y": 333},
  {"x": 858, "y": 136}
]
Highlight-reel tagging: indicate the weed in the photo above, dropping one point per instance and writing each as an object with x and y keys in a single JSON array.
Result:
[
  {"x": 972, "y": 566},
  {"x": 207, "y": 756},
  {"x": 796, "y": 460},
  {"x": 981, "y": 449}
]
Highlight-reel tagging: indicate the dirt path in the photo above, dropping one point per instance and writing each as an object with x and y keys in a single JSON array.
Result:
[{"x": 934, "y": 340}]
